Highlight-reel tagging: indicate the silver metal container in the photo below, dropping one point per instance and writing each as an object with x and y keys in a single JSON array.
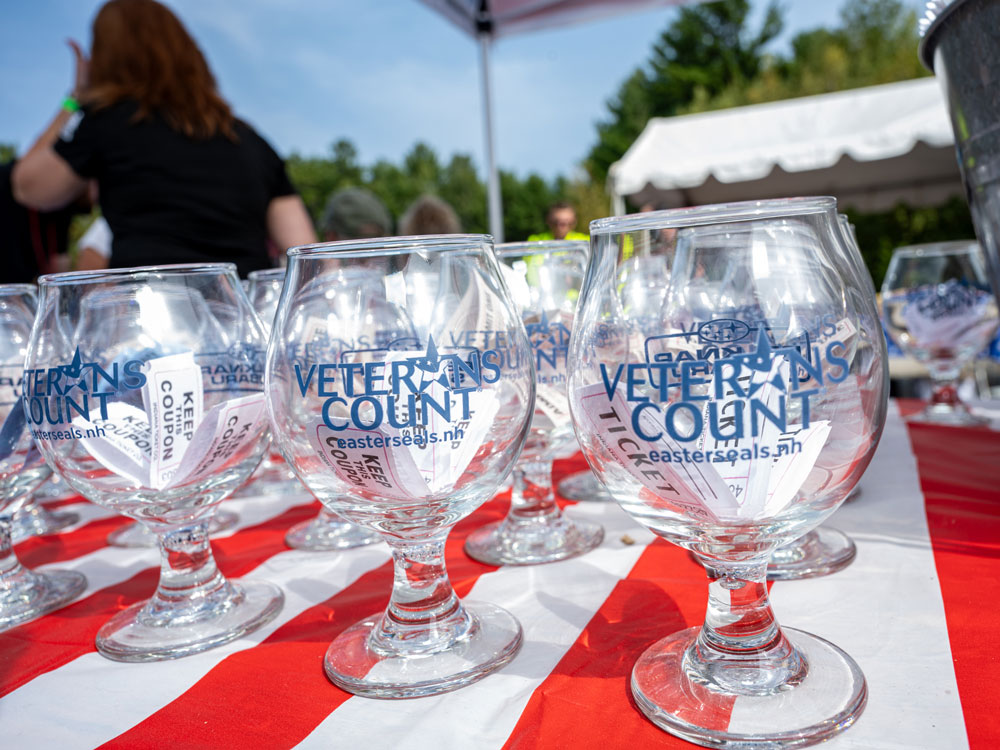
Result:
[{"x": 961, "y": 45}]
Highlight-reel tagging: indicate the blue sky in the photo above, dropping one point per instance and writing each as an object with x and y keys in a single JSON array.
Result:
[{"x": 383, "y": 74}]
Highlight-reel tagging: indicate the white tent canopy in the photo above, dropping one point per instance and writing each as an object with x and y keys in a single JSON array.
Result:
[
  {"x": 870, "y": 147},
  {"x": 506, "y": 17},
  {"x": 488, "y": 19}
]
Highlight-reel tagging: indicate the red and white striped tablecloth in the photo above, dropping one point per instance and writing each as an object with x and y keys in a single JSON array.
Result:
[{"x": 917, "y": 610}]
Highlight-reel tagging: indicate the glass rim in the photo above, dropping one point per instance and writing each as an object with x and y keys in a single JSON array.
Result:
[
  {"x": 265, "y": 273},
  {"x": 136, "y": 272},
  {"x": 18, "y": 287},
  {"x": 945, "y": 247},
  {"x": 506, "y": 249},
  {"x": 717, "y": 213},
  {"x": 389, "y": 246}
]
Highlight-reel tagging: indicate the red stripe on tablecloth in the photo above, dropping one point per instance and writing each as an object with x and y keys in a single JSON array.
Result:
[
  {"x": 69, "y": 545},
  {"x": 69, "y": 633},
  {"x": 62, "y": 502},
  {"x": 665, "y": 591},
  {"x": 960, "y": 478},
  {"x": 276, "y": 693}
]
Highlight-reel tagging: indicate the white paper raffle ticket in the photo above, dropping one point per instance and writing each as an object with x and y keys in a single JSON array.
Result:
[
  {"x": 953, "y": 320},
  {"x": 410, "y": 462},
  {"x": 172, "y": 440},
  {"x": 756, "y": 478},
  {"x": 173, "y": 399}
]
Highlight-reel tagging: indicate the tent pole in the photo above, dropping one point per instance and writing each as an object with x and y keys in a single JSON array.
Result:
[{"x": 492, "y": 174}]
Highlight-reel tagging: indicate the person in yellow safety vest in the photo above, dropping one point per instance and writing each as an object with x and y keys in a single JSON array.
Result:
[{"x": 561, "y": 220}]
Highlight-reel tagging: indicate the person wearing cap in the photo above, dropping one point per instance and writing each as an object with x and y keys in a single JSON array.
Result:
[
  {"x": 561, "y": 220},
  {"x": 355, "y": 214},
  {"x": 428, "y": 214}
]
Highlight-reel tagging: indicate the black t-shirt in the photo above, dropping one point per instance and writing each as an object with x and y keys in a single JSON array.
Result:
[
  {"x": 169, "y": 198},
  {"x": 29, "y": 239}
]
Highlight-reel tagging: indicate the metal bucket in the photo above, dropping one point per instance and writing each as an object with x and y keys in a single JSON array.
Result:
[{"x": 961, "y": 45}]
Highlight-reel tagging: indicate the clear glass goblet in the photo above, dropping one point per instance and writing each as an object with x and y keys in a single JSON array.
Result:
[
  {"x": 326, "y": 531},
  {"x": 544, "y": 279},
  {"x": 585, "y": 487},
  {"x": 272, "y": 476},
  {"x": 34, "y": 519},
  {"x": 642, "y": 295},
  {"x": 135, "y": 535},
  {"x": 938, "y": 308},
  {"x": 825, "y": 550},
  {"x": 24, "y": 594},
  {"x": 120, "y": 395},
  {"x": 739, "y": 425},
  {"x": 405, "y": 432}
]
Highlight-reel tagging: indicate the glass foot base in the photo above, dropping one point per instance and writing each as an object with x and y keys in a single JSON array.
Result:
[
  {"x": 585, "y": 487},
  {"x": 956, "y": 415},
  {"x": 54, "y": 489},
  {"x": 270, "y": 483},
  {"x": 820, "y": 552},
  {"x": 35, "y": 520},
  {"x": 137, "y": 535},
  {"x": 323, "y": 533},
  {"x": 503, "y": 543},
  {"x": 136, "y": 635},
  {"x": 825, "y": 698},
  {"x": 492, "y": 640},
  {"x": 38, "y": 593}
]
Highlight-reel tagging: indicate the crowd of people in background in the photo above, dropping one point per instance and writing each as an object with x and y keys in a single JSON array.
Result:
[{"x": 178, "y": 178}]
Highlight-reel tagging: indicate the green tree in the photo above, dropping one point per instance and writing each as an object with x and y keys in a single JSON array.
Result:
[
  {"x": 456, "y": 181},
  {"x": 393, "y": 186},
  {"x": 630, "y": 110},
  {"x": 879, "y": 234},
  {"x": 7, "y": 152},
  {"x": 316, "y": 178},
  {"x": 422, "y": 167},
  {"x": 461, "y": 187},
  {"x": 589, "y": 198},
  {"x": 524, "y": 205},
  {"x": 706, "y": 49},
  {"x": 875, "y": 43}
]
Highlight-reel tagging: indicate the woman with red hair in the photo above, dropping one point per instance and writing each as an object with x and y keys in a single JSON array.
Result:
[{"x": 181, "y": 179}]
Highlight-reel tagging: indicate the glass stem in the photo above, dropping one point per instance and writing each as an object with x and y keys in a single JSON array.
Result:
[
  {"x": 12, "y": 573},
  {"x": 740, "y": 648},
  {"x": 189, "y": 577},
  {"x": 424, "y": 613},
  {"x": 531, "y": 499},
  {"x": 944, "y": 392},
  {"x": 328, "y": 516}
]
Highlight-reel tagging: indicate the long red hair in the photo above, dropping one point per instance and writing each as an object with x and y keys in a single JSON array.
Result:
[{"x": 141, "y": 51}]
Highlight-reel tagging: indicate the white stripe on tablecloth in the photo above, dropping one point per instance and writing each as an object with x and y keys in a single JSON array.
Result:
[
  {"x": 554, "y": 602},
  {"x": 109, "y": 566},
  {"x": 885, "y": 610},
  {"x": 95, "y": 699},
  {"x": 259, "y": 507},
  {"x": 87, "y": 511}
]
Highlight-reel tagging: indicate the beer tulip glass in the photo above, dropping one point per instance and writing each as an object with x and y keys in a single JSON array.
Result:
[
  {"x": 544, "y": 279},
  {"x": 736, "y": 426},
  {"x": 326, "y": 531},
  {"x": 825, "y": 550},
  {"x": 24, "y": 594},
  {"x": 938, "y": 307},
  {"x": 404, "y": 432},
  {"x": 121, "y": 395}
]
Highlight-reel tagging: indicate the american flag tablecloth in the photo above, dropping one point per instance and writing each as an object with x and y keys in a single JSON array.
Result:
[{"x": 917, "y": 610}]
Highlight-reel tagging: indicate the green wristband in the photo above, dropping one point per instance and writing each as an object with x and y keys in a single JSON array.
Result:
[{"x": 70, "y": 104}]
